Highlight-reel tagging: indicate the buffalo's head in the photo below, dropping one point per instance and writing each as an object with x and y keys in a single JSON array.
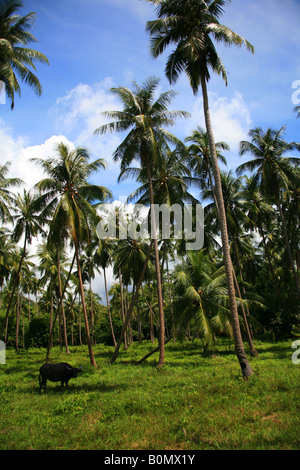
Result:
[{"x": 74, "y": 370}]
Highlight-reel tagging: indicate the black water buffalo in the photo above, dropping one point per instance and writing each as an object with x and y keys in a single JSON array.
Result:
[{"x": 61, "y": 372}]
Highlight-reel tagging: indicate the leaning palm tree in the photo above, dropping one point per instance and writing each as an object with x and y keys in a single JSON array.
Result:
[
  {"x": 145, "y": 119},
  {"x": 70, "y": 200},
  {"x": 17, "y": 60},
  {"x": 274, "y": 172},
  {"x": 193, "y": 26}
]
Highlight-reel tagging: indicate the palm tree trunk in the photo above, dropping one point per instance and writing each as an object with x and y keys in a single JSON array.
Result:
[
  {"x": 253, "y": 351},
  {"x": 15, "y": 285},
  {"x": 29, "y": 313},
  {"x": 139, "y": 325},
  {"x": 151, "y": 323},
  {"x": 62, "y": 304},
  {"x": 92, "y": 312},
  {"x": 158, "y": 275},
  {"x": 108, "y": 309},
  {"x": 51, "y": 317},
  {"x": 36, "y": 303},
  {"x": 267, "y": 253},
  {"x": 288, "y": 247},
  {"x": 91, "y": 354},
  {"x": 123, "y": 306},
  {"x": 55, "y": 317},
  {"x": 171, "y": 303},
  {"x": 17, "y": 320},
  {"x": 1, "y": 290},
  {"x": 23, "y": 321},
  {"x": 59, "y": 320},
  {"x": 79, "y": 320},
  {"x": 132, "y": 303},
  {"x": 153, "y": 351},
  {"x": 239, "y": 347}
]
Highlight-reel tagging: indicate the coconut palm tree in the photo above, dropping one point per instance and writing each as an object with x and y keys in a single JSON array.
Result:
[
  {"x": 89, "y": 268},
  {"x": 16, "y": 59},
  {"x": 200, "y": 160},
  {"x": 145, "y": 118},
  {"x": 236, "y": 219},
  {"x": 201, "y": 297},
  {"x": 52, "y": 261},
  {"x": 6, "y": 197},
  {"x": 28, "y": 223},
  {"x": 7, "y": 257},
  {"x": 70, "y": 199},
  {"x": 129, "y": 259},
  {"x": 259, "y": 213},
  {"x": 274, "y": 173},
  {"x": 193, "y": 26},
  {"x": 170, "y": 179}
]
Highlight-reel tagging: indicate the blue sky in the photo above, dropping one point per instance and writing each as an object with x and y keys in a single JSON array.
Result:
[{"x": 93, "y": 45}]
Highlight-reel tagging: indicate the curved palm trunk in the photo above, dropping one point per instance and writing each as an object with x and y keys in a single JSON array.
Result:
[
  {"x": 161, "y": 338},
  {"x": 240, "y": 351},
  {"x": 91, "y": 354}
]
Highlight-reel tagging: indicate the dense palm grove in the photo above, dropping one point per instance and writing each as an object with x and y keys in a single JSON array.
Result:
[{"x": 243, "y": 283}]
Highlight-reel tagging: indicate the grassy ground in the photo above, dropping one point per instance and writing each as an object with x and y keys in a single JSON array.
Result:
[{"x": 197, "y": 401}]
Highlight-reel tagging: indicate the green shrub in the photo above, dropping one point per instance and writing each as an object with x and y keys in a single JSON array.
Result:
[{"x": 38, "y": 332}]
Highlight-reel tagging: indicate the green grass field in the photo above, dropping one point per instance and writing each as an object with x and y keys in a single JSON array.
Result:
[{"x": 197, "y": 401}]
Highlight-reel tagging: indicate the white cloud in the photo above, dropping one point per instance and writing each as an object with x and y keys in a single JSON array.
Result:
[
  {"x": 231, "y": 119},
  {"x": 18, "y": 152},
  {"x": 79, "y": 112},
  {"x": 10, "y": 147}
]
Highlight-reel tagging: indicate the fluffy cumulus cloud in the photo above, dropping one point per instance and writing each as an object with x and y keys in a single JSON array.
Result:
[
  {"x": 19, "y": 153},
  {"x": 231, "y": 118},
  {"x": 80, "y": 112},
  {"x": 75, "y": 116}
]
